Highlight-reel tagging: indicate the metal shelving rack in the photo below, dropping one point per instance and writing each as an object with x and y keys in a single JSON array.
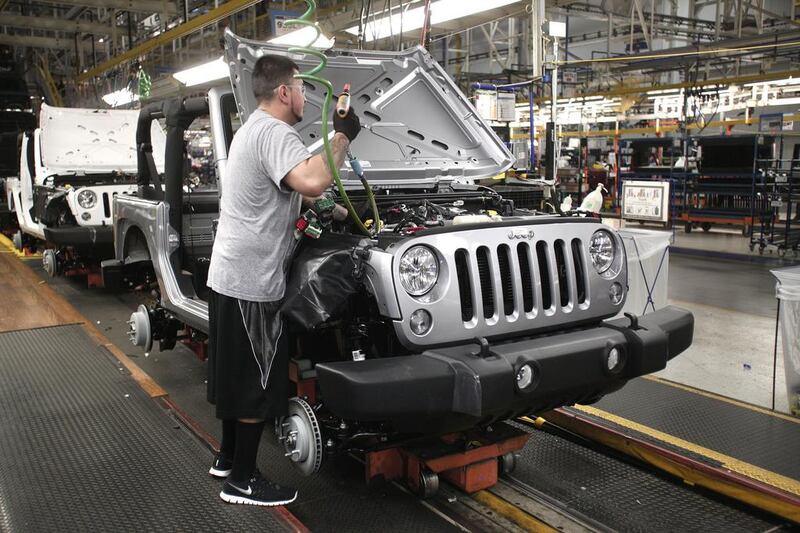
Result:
[
  {"x": 723, "y": 197},
  {"x": 777, "y": 185}
]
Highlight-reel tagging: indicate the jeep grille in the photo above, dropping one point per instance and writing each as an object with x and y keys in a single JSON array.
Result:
[
  {"x": 552, "y": 278},
  {"x": 504, "y": 280}
]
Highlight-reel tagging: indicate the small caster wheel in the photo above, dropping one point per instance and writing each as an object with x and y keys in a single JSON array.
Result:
[
  {"x": 706, "y": 226},
  {"x": 507, "y": 463},
  {"x": 761, "y": 250},
  {"x": 428, "y": 484},
  {"x": 50, "y": 262},
  {"x": 752, "y": 246},
  {"x": 687, "y": 227},
  {"x": 17, "y": 240}
]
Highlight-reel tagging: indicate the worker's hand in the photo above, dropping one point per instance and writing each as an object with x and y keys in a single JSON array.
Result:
[
  {"x": 340, "y": 213},
  {"x": 349, "y": 125}
]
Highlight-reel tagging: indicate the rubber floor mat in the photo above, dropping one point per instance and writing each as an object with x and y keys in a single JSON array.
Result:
[
  {"x": 85, "y": 449},
  {"x": 749, "y": 435},
  {"x": 622, "y": 496}
]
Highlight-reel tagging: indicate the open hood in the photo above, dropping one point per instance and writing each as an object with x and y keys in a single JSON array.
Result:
[
  {"x": 420, "y": 128},
  {"x": 87, "y": 141}
]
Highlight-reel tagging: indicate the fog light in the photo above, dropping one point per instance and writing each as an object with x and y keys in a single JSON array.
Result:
[
  {"x": 524, "y": 376},
  {"x": 614, "y": 359},
  {"x": 86, "y": 216},
  {"x": 616, "y": 293},
  {"x": 420, "y": 322}
]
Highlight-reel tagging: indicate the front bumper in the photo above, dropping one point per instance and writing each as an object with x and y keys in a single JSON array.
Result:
[
  {"x": 80, "y": 236},
  {"x": 454, "y": 388}
]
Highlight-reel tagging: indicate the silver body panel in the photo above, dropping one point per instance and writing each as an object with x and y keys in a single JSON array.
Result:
[
  {"x": 420, "y": 129},
  {"x": 382, "y": 266},
  {"x": 443, "y": 302},
  {"x": 152, "y": 219}
]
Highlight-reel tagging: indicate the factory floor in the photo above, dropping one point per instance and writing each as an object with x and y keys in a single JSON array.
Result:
[
  {"x": 731, "y": 292},
  {"x": 735, "y": 308},
  {"x": 718, "y": 241}
]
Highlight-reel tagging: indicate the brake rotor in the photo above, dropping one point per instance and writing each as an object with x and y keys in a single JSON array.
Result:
[
  {"x": 301, "y": 435},
  {"x": 49, "y": 262},
  {"x": 139, "y": 331}
]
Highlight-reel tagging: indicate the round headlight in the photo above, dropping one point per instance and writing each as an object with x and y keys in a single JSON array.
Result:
[
  {"x": 612, "y": 361},
  {"x": 602, "y": 250},
  {"x": 419, "y": 270},
  {"x": 420, "y": 322},
  {"x": 615, "y": 293},
  {"x": 525, "y": 376},
  {"x": 87, "y": 199},
  {"x": 615, "y": 360}
]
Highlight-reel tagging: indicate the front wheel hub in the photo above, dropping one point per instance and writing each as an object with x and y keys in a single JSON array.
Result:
[
  {"x": 301, "y": 436},
  {"x": 140, "y": 331},
  {"x": 18, "y": 240},
  {"x": 50, "y": 262}
]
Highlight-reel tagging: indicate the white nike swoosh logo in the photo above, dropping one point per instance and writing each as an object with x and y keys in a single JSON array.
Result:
[{"x": 247, "y": 492}]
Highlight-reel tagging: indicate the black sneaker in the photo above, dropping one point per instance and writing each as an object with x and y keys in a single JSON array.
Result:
[
  {"x": 258, "y": 491},
  {"x": 222, "y": 466}
]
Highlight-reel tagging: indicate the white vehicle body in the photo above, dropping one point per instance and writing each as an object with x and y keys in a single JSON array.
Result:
[{"x": 76, "y": 153}]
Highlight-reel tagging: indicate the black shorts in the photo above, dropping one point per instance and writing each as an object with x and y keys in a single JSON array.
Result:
[{"x": 248, "y": 359}]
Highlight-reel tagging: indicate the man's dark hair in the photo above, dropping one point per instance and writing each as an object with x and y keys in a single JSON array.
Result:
[{"x": 270, "y": 72}]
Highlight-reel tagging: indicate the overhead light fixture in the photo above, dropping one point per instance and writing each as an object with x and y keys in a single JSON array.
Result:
[
  {"x": 441, "y": 11},
  {"x": 100, "y": 40},
  {"x": 120, "y": 98},
  {"x": 302, "y": 37},
  {"x": 207, "y": 72}
]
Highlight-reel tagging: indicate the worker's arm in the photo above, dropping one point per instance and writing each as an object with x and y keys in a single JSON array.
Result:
[
  {"x": 340, "y": 213},
  {"x": 313, "y": 176}
]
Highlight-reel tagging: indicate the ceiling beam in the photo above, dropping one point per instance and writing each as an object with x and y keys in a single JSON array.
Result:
[
  {"x": 642, "y": 89},
  {"x": 211, "y": 17},
  {"x": 36, "y": 42},
  {"x": 56, "y": 24},
  {"x": 776, "y": 16},
  {"x": 675, "y": 57},
  {"x": 135, "y": 6}
]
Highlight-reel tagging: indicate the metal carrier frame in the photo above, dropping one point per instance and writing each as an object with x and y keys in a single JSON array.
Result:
[{"x": 470, "y": 460}]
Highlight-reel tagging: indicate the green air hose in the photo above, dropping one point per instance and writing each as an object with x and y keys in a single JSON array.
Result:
[{"x": 311, "y": 75}]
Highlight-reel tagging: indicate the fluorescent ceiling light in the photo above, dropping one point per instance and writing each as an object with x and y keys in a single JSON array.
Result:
[
  {"x": 121, "y": 97},
  {"x": 302, "y": 37},
  {"x": 441, "y": 12},
  {"x": 211, "y": 71},
  {"x": 218, "y": 69}
]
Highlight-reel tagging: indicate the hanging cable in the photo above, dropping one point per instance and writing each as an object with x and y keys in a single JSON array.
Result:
[{"x": 311, "y": 75}]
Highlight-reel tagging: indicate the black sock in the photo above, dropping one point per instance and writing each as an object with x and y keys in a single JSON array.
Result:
[
  {"x": 228, "y": 445},
  {"x": 248, "y": 437}
]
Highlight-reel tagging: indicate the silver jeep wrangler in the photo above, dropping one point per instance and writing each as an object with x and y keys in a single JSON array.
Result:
[{"x": 461, "y": 311}]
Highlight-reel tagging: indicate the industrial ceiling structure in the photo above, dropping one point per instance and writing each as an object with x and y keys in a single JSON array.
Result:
[{"x": 75, "y": 51}]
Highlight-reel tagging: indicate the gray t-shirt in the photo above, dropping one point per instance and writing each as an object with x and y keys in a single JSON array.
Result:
[{"x": 255, "y": 241}]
